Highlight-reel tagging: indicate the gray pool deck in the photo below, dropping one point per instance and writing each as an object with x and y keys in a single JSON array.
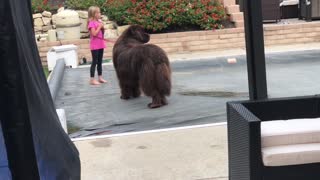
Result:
[
  {"x": 202, "y": 84},
  {"x": 195, "y": 153}
]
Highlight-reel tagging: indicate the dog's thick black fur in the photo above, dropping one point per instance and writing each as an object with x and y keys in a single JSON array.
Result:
[{"x": 141, "y": 66}]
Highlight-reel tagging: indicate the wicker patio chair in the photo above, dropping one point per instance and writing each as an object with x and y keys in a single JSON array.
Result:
[{"x": 244, "y": 137}]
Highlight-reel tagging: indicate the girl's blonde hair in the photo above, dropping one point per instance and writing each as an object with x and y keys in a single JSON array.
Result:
[{"x": 92, "y": 12}]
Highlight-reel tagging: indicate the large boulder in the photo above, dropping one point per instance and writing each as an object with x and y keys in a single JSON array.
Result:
[
  {"x": 60, "y": 9},
  {"x": 83, "y": 14},
  {"x": 38, "y": 22},
  {"x": 54, "y": 21},
  {"x": 38, "y": 28},
  {"x": 121, "y": 29},
  {"x": 43, "y": 39},
  {"x": 47, "y": 14},
  {"x": 108, "y": 26},
  {"x": 46, "y": 21},
  {"x": 35, "y": 16},
  {"x": 46, "y": 28},
  {"x": 105, "y": 18},
  {"x": 111, "y": 33},
  {"x": 84, "y": 25},
  {"x": 85, "y": 35}
]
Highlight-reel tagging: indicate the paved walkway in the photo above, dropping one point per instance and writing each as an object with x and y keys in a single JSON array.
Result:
[{"x": 191, "y": 154}]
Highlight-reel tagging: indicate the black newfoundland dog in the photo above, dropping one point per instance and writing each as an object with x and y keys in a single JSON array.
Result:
[{"x": 141, "y": 67}]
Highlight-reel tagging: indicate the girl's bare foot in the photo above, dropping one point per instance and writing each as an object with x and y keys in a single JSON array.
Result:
[
  {"x": 94, "y": 82},
  {"x": 101, "y": 80}
]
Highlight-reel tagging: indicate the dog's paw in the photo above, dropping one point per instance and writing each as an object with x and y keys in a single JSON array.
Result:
[
  {"x": 124, "y": 97},
  {"x": 136, "y": 95},
  {"x": 153, "y": 106},
  {"x": 164, "y": 102}
]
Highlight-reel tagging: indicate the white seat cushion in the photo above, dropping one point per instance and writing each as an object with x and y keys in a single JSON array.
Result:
[
  {"x": 289, "y": 132},
  {"x": 291, "y": 154},
  {"x": 289, "y": 2}
]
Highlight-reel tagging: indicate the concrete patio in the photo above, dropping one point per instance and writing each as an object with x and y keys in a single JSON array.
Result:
[{"x": 189, "y": 154}]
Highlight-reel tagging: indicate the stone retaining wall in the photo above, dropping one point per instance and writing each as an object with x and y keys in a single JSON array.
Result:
[
  {"x": 209, "y": 40},
  {"x": 43, "y": 22}
]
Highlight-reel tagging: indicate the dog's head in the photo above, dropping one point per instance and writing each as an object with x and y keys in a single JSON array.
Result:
[{"x": 138, "y": 33}]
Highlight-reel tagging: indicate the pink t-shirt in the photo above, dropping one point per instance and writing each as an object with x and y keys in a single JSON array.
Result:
[{"x": 96, "y": 42}]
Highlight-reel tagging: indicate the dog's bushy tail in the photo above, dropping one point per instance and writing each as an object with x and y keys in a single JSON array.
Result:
[
  {"x": 146, "y": 77},
  {"x": 163, "y": 79},
  {"x": 155, "y": 78}
]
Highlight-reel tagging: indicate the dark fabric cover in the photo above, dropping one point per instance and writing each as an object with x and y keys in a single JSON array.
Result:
[
  {"x": 26, "y": 103},
  {"x": 4, "y": 170}
]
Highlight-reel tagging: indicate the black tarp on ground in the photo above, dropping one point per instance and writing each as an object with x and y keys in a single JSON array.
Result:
[{"x": 30, "y": 125}]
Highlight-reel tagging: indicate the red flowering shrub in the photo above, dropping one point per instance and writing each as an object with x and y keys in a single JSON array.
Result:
[
  {"x": 84, "y": 4},
  {"x": 154, "y": 15},
  {"x": 38, "y": 6},
  {"x": 118, "y": 10},
  {"x": 157, "y": 15},
  {"x": 207, "y": 14}
]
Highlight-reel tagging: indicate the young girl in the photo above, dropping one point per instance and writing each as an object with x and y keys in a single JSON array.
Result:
[{"x": 97, "y": 44}]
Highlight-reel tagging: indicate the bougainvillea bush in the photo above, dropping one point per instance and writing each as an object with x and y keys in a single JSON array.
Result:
[
  {"x": 157, "y": 15},
  {"x": 38, "y": 6},
  {"x": 207, "y": 14},
  {"x": 84, "y": 4},
  {"x": 154, "y": 15},
  {"x": 53, "y": 5},
  {"x": 119, "y": 10}
]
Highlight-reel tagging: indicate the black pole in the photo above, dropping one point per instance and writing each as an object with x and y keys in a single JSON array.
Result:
[
  {"x": 299, "y": 10},
  {"x": 309, "y": 10},
  {"x": 14, "y": 115},
  {"x": 255, "y": 49}
]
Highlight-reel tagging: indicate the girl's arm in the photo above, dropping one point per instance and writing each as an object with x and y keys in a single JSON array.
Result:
[
  {"x": 110, "y": 41},
  {"x": 94, "y": 31}
]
